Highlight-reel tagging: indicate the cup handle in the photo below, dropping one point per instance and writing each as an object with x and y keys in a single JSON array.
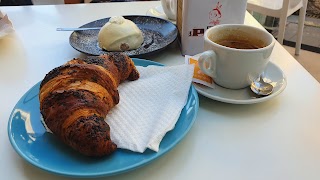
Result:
[
  {"x": 170, "y": 8},
  {"x": 207, "y": 63}
]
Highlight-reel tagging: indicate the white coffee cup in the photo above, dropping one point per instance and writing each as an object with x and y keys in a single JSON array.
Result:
[
  {"x": 170, "y": 8},
  {"x": 231, "y": 67}
]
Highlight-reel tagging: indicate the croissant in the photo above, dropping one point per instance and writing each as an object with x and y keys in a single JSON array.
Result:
[{"x": 76, "y": 97}]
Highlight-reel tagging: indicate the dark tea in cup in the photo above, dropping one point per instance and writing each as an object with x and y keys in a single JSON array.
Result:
[
  {"x": 238, "y": 39},
  {"x": 240, "y": 44}
]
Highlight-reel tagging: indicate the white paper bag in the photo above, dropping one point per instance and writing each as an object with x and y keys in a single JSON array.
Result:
[{"x": 194, "y": 17}]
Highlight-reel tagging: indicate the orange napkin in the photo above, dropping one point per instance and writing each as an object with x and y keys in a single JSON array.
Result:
[{"x": 198, "y": 75}]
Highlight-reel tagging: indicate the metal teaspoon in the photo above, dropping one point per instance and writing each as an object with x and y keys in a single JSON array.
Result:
[
  {"x": 78, "y": 29},
  {"x": 260, "y": 87}
]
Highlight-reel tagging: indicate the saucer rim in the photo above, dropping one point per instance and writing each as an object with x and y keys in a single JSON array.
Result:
[{"x": 247, "y": 101}]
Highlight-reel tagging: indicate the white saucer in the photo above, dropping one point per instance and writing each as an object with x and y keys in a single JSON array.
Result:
[
  {"x": 272, "y": 74},
  {"x": 158, "y": 12}
]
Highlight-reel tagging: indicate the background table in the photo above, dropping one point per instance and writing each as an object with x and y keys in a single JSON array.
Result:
[{"x": 277, "y": 139}]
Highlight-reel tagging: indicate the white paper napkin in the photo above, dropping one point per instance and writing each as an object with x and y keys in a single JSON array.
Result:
[
  {"x": 6, "y": 26},
  {"x": 149, "y": 107}
]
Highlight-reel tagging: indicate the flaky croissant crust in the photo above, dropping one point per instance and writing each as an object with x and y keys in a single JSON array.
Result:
[{"x": 76, "y": 97}]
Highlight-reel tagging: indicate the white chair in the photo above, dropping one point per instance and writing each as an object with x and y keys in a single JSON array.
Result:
[{"x": 281, "y": 9}]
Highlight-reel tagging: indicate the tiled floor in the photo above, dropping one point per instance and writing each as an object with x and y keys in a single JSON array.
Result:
[
  {"x": 311, "y": 36},
  {"x": 309, "y": 60},
  {"x": 311, "y": 32}
]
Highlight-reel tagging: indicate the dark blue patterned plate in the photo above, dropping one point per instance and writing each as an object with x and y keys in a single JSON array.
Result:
[{"x": 158, "y": 34}]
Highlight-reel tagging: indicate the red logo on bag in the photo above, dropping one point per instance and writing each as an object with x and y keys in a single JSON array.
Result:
[
  {"x": 196, "y": 32},
  {"x": 215, "y": 14}
]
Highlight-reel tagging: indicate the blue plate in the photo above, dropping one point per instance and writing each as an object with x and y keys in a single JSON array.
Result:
[{"x": 30, "y": 140}]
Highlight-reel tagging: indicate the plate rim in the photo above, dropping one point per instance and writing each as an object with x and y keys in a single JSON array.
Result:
[
  {"x": 132, "y": 56},
  {"x": 248, "y": 101},
  {"x": 192, "y": 91}
]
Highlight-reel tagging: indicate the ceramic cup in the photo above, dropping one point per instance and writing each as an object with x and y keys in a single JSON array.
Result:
[
  {"x": 225, "y": 59},
  {"x": 170, "y": 8}
]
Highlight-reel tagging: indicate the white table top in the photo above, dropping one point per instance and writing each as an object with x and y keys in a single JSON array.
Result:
[{"x": 277, "y": 139}]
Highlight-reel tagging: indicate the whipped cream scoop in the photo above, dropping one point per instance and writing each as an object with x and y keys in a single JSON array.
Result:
[{"x": 120, "y": 34}]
